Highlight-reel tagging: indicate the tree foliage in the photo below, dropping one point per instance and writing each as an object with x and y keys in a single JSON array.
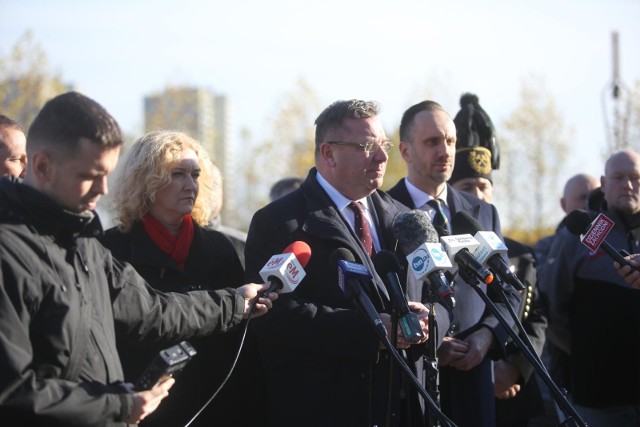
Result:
[
  {"x": 26, "y": 81},
  {"x": 534, "y": 143},
  {"x": 289, "y": 151},
  {"x": 396, "y": 167}
]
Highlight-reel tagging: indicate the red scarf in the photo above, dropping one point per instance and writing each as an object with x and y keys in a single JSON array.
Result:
[{"x": 177, "y": 247}]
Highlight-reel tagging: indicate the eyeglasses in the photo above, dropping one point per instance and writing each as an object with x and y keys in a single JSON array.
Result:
[{"x": 369, "y": 146}]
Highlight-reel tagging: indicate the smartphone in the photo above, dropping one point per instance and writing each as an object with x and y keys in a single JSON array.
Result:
[{"x": 168, "y": 362}]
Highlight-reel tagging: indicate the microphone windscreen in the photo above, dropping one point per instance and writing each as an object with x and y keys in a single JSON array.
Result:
[
  {"x": 464, "y": 223},
  {"x": 340, "y": 254},
  {"x": 578, "y": 221},
  {"x": 386, "y": 262},
  {"x": 412, "y": 229},
  {"x": 301, "y": 250}
]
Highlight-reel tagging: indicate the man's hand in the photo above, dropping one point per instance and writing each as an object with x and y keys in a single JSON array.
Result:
[
  {"x": 423, "y": 316},
  {"x": 630, "y": 274},
  {"x": 450, "y": 350},
  {"x": 145, "y": 402},
  {"x": 479, "y": 344},
  {"x": 401, "y": 343},
  {"x": 250, "y": 292},
  {"x": 506, "y": 379}
]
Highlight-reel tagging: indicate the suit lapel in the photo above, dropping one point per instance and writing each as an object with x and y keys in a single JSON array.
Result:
[
  {"x": 457, "y": 203},
  {"x": 324, "y": 221}
]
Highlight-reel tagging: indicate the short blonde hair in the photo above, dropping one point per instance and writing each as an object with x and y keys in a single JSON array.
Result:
[{"x": 147, "y": 169}]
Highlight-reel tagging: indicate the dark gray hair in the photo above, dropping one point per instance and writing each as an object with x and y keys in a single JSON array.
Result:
[{"x": 334, "y": 115}]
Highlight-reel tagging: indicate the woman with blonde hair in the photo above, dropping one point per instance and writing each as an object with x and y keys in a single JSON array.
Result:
[{"x": 163, "y": 198}]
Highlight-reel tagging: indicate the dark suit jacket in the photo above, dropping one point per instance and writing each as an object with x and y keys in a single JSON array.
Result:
[
  {"x": 322, "y": 358},
  {"x": 467, "y": 396}
]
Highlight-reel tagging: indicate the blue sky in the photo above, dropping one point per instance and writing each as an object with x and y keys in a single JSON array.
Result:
[{"x": 254, "y": 52}]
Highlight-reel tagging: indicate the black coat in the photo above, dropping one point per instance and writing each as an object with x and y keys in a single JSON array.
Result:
[
  {"x": 57, "y": 282},
  {"x": 532, "y": 314},
  {"x": 322, "y": 358},
  {"x": 468, "y": 396},
  {"x": 212, "y": 264}
]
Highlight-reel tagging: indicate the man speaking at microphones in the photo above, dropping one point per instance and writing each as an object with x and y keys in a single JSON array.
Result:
[
  {"x": 593, "y": 312},
  {"x": 428, "y": 146},
  {"x": 325, "y": 364}
]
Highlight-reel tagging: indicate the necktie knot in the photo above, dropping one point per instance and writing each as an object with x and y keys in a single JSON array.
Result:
[
  {"x": 440, "y": 221},
  {"x": 361, "y": 227}
]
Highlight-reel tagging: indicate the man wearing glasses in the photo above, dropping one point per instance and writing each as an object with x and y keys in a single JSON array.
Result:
[{"x": 324, "y": 363}]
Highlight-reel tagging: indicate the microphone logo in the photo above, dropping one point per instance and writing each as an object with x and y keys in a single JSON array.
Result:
[
  {"x": 597, "y": 232},
  {"x": 426, "y": 258},
  {"x": 438, "y": 254},
  {"x": 277, "y": 260},
  {"x": 293, "y": 273},
  {"x": 420, "y": 260}
]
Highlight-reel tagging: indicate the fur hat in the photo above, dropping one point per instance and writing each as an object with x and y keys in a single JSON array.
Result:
[
  {"x": 473, "y": 162},
  {"x": 475, "y": 129}
]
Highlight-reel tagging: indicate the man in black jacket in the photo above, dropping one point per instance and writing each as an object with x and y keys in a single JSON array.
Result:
[
  {"x": 428, "y": 146},
  {"x": 325, "y": 365},
  {"x": 592, "y": 310},
  {"x": 63, "y": 297}
]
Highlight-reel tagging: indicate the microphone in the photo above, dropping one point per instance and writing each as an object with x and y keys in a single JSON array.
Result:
[
  {"x": 387, "y": 265},
  {"x": 284, "y": 271},
  {"x": 350, "y": 280},
  {"x": 459, "y": 248},
  {"x": 490, "y": 249},
  {"x": 592, "y": 233},
  {"x": 427, "y": 260}
]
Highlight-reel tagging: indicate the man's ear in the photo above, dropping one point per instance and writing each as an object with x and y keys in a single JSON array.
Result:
[
  {"x": 327, "y": 153},
  {"x": 42, "y": 166},
  {"x": 403, "y": 147}
]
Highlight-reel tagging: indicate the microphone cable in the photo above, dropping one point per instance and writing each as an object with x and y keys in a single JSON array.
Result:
[{"x": 233, "y": 365}]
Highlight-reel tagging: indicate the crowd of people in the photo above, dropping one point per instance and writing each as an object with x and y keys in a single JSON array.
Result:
[{"x": 84, "y": 311}]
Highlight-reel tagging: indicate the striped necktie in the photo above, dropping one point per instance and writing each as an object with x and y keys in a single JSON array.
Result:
[
  {"x": 361, "y": 226},
  {"x": 440, "y": 221}
]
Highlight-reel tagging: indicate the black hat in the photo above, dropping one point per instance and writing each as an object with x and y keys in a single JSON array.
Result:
[
  {"x": 475, "y": 129},
  {"x": 472, "y": 162}
]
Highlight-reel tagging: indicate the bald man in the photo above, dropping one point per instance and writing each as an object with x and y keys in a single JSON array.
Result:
[
  {"x": 13, "y": 148},
  {"x": 576, "y": 192},
  {"x": 593, "y": 312}
]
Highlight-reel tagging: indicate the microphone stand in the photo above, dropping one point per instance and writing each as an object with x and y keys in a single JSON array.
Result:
[
  {"x": 431, "y": 356},
  {"x": 392, "y": 375},
  {"x": 573, "y": 419},
  {"x": 405, "y": 368}
]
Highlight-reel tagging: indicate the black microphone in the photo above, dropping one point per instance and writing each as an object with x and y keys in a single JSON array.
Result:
[
  {"x": 350, "y": 280},
  {"x": 490, "y": 249},
  {"x": 419, "y": 240},
  {"x": 387, "y": 266},
  {"x": 593, "y": 232}
]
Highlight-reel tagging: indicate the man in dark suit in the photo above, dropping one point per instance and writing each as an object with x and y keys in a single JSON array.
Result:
[
  {"x": 428, "y": 146},
  {"x": 325, "y": 365}
]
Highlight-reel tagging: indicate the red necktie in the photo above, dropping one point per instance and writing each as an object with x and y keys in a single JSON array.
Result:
[{"x": 362, "y": 227}]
